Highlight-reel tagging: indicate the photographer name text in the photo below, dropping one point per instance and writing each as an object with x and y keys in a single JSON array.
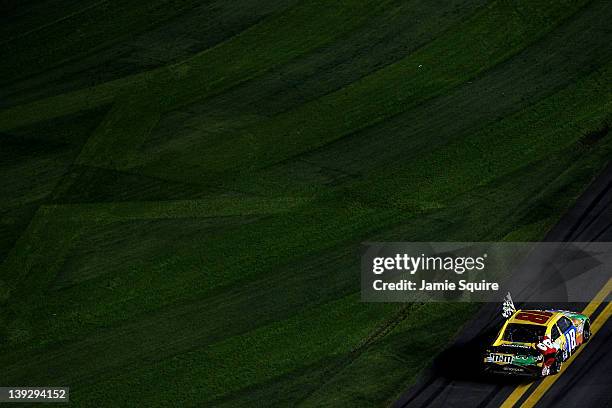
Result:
[{"x": 446, "y": 285}]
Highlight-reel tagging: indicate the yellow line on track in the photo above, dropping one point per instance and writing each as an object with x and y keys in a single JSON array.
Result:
[
  {"x": 599, "y": 298},
  {"x": 515, "y": 396},
  {"x": 549, "y": 381}
]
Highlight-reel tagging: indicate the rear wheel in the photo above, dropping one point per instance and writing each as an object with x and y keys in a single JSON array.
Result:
[{"x": 556, "y": 367}]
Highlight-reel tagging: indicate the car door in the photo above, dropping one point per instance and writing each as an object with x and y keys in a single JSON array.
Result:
[{"x": 569, "y": 331}]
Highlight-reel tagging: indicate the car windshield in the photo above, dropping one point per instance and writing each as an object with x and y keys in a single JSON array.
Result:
[{"x": 524, "y": 333}]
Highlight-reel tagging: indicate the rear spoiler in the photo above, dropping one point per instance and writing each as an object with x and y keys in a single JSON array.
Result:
[{"x": 508, "y": 306}]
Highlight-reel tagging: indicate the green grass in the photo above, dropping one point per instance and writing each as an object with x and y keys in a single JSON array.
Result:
[{"x": 188, "y": 229}]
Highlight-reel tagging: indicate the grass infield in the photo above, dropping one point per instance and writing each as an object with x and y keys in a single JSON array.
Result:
[{"x": 185, "y": 185}]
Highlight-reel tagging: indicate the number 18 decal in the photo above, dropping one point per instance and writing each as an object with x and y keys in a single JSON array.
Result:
[{"x": 571, "y": 339}]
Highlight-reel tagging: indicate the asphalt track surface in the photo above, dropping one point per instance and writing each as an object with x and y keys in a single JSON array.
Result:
[{"x": 454, "y": 379}]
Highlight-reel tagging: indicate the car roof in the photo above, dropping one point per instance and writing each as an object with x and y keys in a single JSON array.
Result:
[{"x": 536, "y": 317}]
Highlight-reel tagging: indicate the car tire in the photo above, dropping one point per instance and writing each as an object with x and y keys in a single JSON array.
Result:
[
  {"x": 586, "y": 332},
  {"x": 556, "y": 367}
]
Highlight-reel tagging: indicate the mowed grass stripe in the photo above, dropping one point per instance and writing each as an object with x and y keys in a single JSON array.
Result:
[
  {"x": 479, "y": 43},
  {"x": 483, "y": 41},
  {"x": 202, "y": 264},
  {"x": 47, "y": 240},
  {"x": 184, "y": 89},
  {"x": 85, "y": 31},
  {"x": 531, "y": 134},
  {"x": 174, "y": 328},
  {"x": 401, "y": 28},
  {"x": 31, "y": 27},
  {"x": 264, "y": 353},
  {"x": 507, "y": 89},
  {"x": 274, "y": 41},
  {"x": 527, "y": 136},
  {"x": 177, "y": 38},
  {"x": 385, "y": 93}
]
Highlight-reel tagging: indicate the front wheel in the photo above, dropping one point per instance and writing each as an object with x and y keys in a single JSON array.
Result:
[{"x": 586, "y": 332}]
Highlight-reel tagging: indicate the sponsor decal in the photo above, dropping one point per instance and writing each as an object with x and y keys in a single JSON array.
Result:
[
  {"x": 500, "y": 358},
  {"x": 548, "y": 350},
  {"x": 570, "y": 337},
  {"x": 517, "y": 345}
]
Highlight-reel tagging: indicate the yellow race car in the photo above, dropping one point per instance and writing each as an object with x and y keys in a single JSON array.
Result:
[{"x": 535, "y": 342}]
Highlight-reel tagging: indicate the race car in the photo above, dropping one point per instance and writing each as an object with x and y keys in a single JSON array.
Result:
[{"x": 535, "y": 343}]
